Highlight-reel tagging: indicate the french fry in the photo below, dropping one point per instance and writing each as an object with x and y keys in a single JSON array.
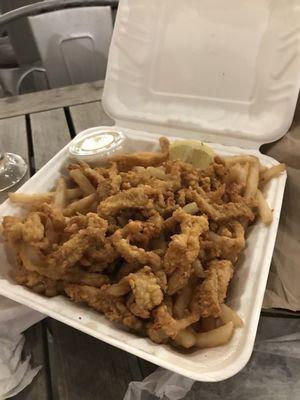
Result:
[
  {"x": 271, "y": 173},
  {"x": 215, "y": 337},
  {"x": 28, "y": 199},
  {"x": 73, "y": 193},
  {"x": 228, "y": 314},
  {"x": 59, "y": 200},
  {"x": 252, "y": 180},
  {"x": 182, "y": 301},
  {"x": 240, "y": 160},
  {"x": 264, "y": 210},
  {"x": 240, "y": 172},
  {"x": 80, "y": 206},
  {"x": 82, "y": 181},
  {"x": 191, "y": 208},
  {"x": 186, "y": 338}
]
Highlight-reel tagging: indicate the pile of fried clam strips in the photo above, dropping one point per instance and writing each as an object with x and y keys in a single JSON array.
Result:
[{"x": 149, "y": 241}]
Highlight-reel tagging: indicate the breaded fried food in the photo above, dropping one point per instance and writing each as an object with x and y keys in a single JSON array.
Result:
[
  {"x": 148, "y": 242},
  {"x": 183, "y": 249},
  {"x": 208, "y": 296},
  {"x": 112, "y": 307},
  {"x": 146, "y": 292},
  {"x": 144, "y": 159},
  {"x": 165, "y": 326},
  {"x": 135, "y": 198},
  {"x": 134, "y": 254}
]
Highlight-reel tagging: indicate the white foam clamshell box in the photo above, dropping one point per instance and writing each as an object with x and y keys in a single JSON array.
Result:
[{"x": 222, "y": 71}]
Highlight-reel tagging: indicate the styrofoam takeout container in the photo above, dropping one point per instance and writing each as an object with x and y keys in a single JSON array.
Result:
[{"x": 224, "y": 71}]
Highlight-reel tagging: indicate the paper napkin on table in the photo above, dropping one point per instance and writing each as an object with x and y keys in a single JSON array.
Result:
[{"x": 15, "y": 373}]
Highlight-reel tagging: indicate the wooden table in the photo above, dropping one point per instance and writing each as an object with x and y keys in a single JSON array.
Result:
[{"x": 75, "y": 365}]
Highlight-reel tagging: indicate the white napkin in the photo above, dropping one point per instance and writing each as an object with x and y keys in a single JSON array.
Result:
[{"x": 15, "y": 374}]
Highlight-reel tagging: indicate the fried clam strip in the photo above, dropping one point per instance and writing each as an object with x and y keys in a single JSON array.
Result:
[
  {"x": 126, "y": 268},
  {"x": 107, "y": 181},
  {"x": 34, "y": 262},
  {"x": 184, "y": 296},
  {"x": 135, "y": 198},
  {"x": 43, "y": 228},
  {"x": 183, "y": 249},
  {"x": 101, "y": 256},
  {"x": 146, "y": 291},
  {"x": 38, "y": 283},
  {"x": 73, "y": 250},
  {"x": 154, "y": 176},
  {"x": 81, "y": 206},
  {"x": 144, "y": 159},
  {"x": 24, "y": 234},
  {"x": 133, "y": 254},
  {"x": 165, "y": 326},
  {"x": 183, "y": 172},
  {"x": 54, "y": 224},
  {"x": 114, "y": 308},
  {"x": 208, "y": 296},
  {"x": 223, "y": 212},
  {"x": 221, "y": 246},
  {"x": 55, "y": 216},
  {"x": 142, "y": 232},
  {"x": 29, "y": 229}
]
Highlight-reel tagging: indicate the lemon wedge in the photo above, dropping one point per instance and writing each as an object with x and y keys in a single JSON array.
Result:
[{"x": 192, "y": 151}]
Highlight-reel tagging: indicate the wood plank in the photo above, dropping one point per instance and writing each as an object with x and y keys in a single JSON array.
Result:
[
  {"x": 13, "y": 138},
  {"x": 50, "y": 133},
  {"x": 35, "y": 346},
  {"x": 50, "y": 99},
  {"x": 88, "y": 115},
  {"x": 83, "y": 367}
]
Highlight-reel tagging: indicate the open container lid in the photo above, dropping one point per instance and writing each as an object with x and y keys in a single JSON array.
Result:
[{"x": 226, "y": 70}]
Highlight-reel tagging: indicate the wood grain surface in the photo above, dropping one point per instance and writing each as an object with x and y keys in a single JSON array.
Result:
[
  {"x": 50, "y": 133},
  {"x": 50, "y": 99},
  {"x": 14, "y": 138},
  {"x": 88, "y": 115}
]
